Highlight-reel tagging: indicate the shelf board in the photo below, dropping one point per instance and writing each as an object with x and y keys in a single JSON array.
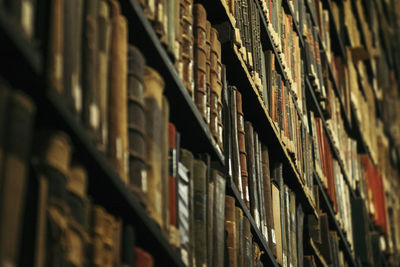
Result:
[
  {"x": 332, "y": 146},
  {"x": 270, "y": 259},
  {"x": 183, "y": 113},
  {"x": 331, "y": 214}
]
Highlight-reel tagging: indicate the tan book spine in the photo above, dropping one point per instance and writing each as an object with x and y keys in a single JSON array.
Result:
[
  {"x": 154, "y": 84},
  {"x": 230, "y": 227},
  {"x": 164, "y": 166},
  {"x": 187, "y": 45},
  {"x": 208, "y": 70},
  {"x": 118, "y": 107},
  {"x": 216, "y": 86}
]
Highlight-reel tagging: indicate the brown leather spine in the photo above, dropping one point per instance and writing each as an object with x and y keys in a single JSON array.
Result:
[
  {"x": 153, "y": 101},
  {"x": 215, "y": 82},
  {"x": 239, "y": 236},
  {"x": 208, "y": 70},
  {"x": 55, "y": 65},
  {"x": 187, "y": 45},
  {"x": 164, "y": 166},
  {"x": 143, "y": 258},
  {"x": 118, "y": 110},
  {"x": 230, "y": 227},
  {"x": 104, "y": 42},
  {"x": 200, "y": 59},
  {"x": 242, "y": 149},
  {"x": 136, "y": 122}
]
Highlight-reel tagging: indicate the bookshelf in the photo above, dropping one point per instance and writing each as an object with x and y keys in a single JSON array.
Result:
[{"x": 105, "y": 186}]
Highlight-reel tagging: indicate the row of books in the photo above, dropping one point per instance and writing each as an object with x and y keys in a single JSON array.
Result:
[{"x": 194, "y": 45}]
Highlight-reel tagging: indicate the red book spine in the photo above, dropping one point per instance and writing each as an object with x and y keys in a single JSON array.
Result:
[
  {"x": 172, "y": 174},
  {"x": 143, "y": 258}
]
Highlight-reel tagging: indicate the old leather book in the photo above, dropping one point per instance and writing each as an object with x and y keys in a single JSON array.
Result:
[
  {"x": 200, "y": 199},
  {"x": 187, "y": 159},
  {"x": 160, "y": 20},
  {"x": 299, "y": 227},
  {"x": 128, "y": 246},
  {"x": 219, "y": 211},
  {"x": 136, "y": 123},
  {"x": 236, "y": 168},
  {"x": 183, "y": 209},
  {"x": 103, "y": 85},
  {"x": 186, "y": 46},
  {"x": 200, "y": 59},
  {"x": 55, "y": 55},
  {"x": 54, "y": 151},
  {"x": 90, "y": 96},
  {"x": 251, "y": 169},
  {"x": 239, "y": 236},
  {"x": 210, "y": 219},
  {"x": 154, "y": 85},
  {"x": 143, "y": 258},
  {"x": 117, "y": 102},
  {"x": 268, "y": 200},
  {"x": 164, "y": 165},
  {"x": 276, "y": 203},
  {"x": 242, "y": 149},
  {"x": 325, "y": 247},
  {"x": 293, "y": 228},
  {"x": 172, "y": 17},
  {"x": 73, "y": 55},
  {"x": 208, "y": 70},
  {"x": 230, "y": 227},
  {"x": 17, "y": 144},
  {"x": 248, "y": 243},
  {"x": 214, "y": 82},
  {"x": 172, "y": 185}
]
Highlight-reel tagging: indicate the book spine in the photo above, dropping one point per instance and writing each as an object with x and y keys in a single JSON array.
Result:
[
  {"x": 236, "y": 173},
  {"x": 219, "y": 211},
  {"x": 136, "y": 122},
  {"x": 230, "y": 226},
  {"x": 165, "y": 113},
  {"x": 143, "y": 258},
  {"x": 216, "y": 87},
  {"x": 21, "y": 111},
  {"x": 117, "y": 102},
  {"x": 187, "y": 45},
  {"x": 154, "y": 85},
  {"x": 183, "y": 214}
]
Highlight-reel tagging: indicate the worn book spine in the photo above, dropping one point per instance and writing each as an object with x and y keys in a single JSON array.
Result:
[
  {"x": 172, "y": 185},
  {"x": 102, "y": 69},
  {"x": 136, "y": 123},
  {"x": 187, "y": 159},
  {"x": 200, "y": 202},
  {"x": 239, "y": 236},
  {"x": 325, "y": 246},
  {"x": 208, "y": 70},
  {"x": 277, "y": 222},
  {"x": 215, "y": 83},
  {"x": 55, "y": 56},
  {"x": 154, "y": 85},
  {"x": 293, "y": 227},
  {"x": 186, "y": 46},
  {"x": 117, "y": 102},
  {"x": 236, "y": 169},
  {"x": 90, "y": 97},
  {"x": 73, "y": 52},
  {"x": 128, "y": 246},
  {"x": 251, "y": 169},
  {"x": 219, "y": 211},
  {"x": 143, "y": 258},
  {"x": 242, "y": 149},
  {"x": 247, "y": 243},
  {"x": 211, "y": 194},
  {"x": 183, "y": 214},
  {"x": 230, "y": 228},
  {"x": 18, "y": 134},
  {"x": 160, "y": 20},
  {"x": 260, "y": 186},
  {"x": 171, "y": 17},
  {"x": 164, "y": 165},
  {"x": 299, "y": 228},
  {"x": 200, "y": 59}
]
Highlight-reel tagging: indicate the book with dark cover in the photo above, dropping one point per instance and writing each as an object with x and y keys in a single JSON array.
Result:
[
  {"x": 90, "y": 97},
  {"x": 164, "y": 165},
  {"x": 360, "y": 218},
  {"x": 143, "y": 258},
  {"x": 260, "y": 186},
  {"x": 236, "y": 168},
  {"x": 55, "y": 54},
  {"x": 247, "y": 243},
  {"x": 4, "y": 98},
  {"x": 251, "y": 170},
  {"x": 117, "y": 102},
  {"x": 128, "y": 246},
  {"x": 309, "y": 261},
  {"x": 219, "y": 211},
  {"x": 268, "y": 199},
  {"x": 103, "y": 85},
  {"x": 200, "y": 59},
  {"x": 136, "y": 123},
  {"x": 210, "y": 219},
  {"x": 239, "y": 236},
  {"x": 183, "y": 208},
  {"x": 325, "y": 247},
  {"x": 299, "y": 228},
  {"x": 200, "y": 206},
  {"x": 242, "y": 149},
  {"x": 314, "y": 228},
  {"x": 293, "y": 228},
  {"x": 230, "y": 228},
  {"x": 17, "y": 148},
  {"x": 72, "y": 55},
  {"x": 154, "y": 84},
  {"x": 172, "y": 185}
]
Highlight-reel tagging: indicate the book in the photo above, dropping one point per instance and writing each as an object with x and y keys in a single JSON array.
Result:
[
  {"x": 117, "y": 100},
  {"x": 183, "y": 217},
  {"x": 239, "y": 236},
  {"x": 17, "y": 148},
  {"x": 173, "y": 238},
  {"x": 143, "y": 258},
  {"x": 230, "y": 228},
  {"x": 276, "y": 212},
  {"x": 137, "y": 123},
  {"x": 236, "y": 166},
  {"x": 219, "y": 211},
  {"x": 154, "y": 85}
]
